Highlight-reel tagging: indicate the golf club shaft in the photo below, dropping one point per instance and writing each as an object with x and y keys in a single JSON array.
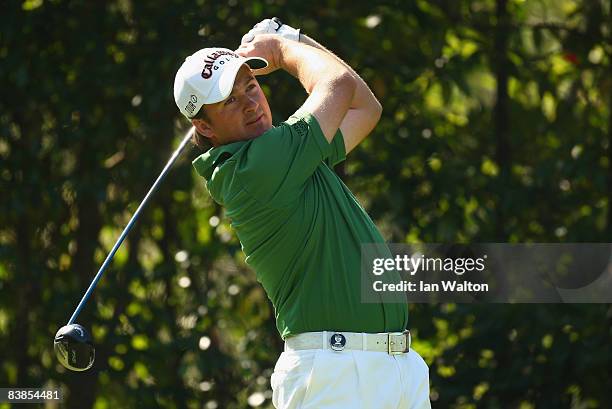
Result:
[{"x": 127, "y": 228}]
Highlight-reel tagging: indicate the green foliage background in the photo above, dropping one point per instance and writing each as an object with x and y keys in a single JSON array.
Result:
[{"x": 496, "y": 128}]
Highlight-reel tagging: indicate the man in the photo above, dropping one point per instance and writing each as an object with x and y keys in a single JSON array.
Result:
[{"x": 299, "y": 225}]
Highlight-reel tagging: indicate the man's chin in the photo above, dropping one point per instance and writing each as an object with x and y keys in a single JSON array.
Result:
[{"x": 257, "y": 133}]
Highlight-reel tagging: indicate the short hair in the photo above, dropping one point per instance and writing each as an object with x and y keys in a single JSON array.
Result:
[{"x": 198, "y": 139}]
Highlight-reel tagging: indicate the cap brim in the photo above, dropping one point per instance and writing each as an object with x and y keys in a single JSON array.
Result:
[
  {"x": 226, "y": 82},
  {"x": 257, "y": 63}
]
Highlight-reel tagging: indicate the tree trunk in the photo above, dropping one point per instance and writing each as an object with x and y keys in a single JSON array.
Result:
[
  {"x": 502, "y": 151},
  {"x": 22, "y": 327},
  {"x": 27, "y": 286},
  {"x": 82, "y": 386},
  {"x": 608, "y": 229}
]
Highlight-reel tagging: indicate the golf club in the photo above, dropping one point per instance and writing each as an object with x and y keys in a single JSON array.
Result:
[{"x": 73, "y": 344}]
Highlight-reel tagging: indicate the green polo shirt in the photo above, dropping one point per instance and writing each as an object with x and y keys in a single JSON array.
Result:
[{"x": 300, "y": 227}]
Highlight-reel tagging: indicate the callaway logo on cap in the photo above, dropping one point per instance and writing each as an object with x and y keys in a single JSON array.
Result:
[{"x": 207, "y": 77}]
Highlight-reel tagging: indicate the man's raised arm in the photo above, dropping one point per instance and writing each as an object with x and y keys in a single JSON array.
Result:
[
  {"x": 330, "y": 85},
  {"x": 364, "y": 110}
]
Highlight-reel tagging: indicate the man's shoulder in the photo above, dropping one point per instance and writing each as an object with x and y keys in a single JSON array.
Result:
[
  {"x": 297, "y": 126},
  {"x": 301, "y": 116}
]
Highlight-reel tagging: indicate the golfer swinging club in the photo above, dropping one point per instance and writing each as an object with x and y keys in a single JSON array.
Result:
[{"x": 300, "y": 227}]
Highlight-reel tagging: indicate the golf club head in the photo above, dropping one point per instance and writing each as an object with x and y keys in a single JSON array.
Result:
[{"x": 74, "y": 347}]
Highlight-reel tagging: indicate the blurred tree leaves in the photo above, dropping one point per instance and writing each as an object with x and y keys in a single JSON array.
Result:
[{"x": 87, "y": 120}]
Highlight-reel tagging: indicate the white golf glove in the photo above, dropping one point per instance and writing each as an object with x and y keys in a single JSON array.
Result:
[{"x": 272, "y": 26}]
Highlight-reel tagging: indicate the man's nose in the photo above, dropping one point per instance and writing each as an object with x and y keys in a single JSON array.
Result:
[{"x": 251, "y": 104}]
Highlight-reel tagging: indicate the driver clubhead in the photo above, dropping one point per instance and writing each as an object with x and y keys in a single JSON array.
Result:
[{"x": 74, "y": 347}]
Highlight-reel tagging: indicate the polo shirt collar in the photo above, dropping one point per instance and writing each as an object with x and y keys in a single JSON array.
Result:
[{"x": 206, "y": 163}]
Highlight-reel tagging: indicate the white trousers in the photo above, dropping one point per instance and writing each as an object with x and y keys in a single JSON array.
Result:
[{"x": 325, "y": 379}]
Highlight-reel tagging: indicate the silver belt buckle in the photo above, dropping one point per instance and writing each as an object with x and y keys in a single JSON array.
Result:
[{"x": 406, "y": 334}]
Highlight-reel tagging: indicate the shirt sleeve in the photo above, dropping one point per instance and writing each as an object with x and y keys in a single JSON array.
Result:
[
  {"x": 338, "y": 150},
  {"x": 278, "y": 164}
]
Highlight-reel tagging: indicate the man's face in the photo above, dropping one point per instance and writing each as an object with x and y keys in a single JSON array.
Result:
[{"x": 244, "y": 115}]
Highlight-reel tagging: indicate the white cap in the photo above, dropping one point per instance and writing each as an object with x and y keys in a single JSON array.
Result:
[{"x": 207, "y": 77}]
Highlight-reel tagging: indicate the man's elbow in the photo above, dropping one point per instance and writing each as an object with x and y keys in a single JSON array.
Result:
[
  {"x": 376, "y": 110},
  {"x": 345, "y": 83}
]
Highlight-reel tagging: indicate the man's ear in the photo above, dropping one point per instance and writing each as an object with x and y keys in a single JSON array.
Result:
[{"x": 204, "y": 129}]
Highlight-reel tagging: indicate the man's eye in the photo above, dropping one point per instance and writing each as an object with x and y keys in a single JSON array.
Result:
[
  {"x": 251, "y": 87},
  {"x": 230, "y": 100}
]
